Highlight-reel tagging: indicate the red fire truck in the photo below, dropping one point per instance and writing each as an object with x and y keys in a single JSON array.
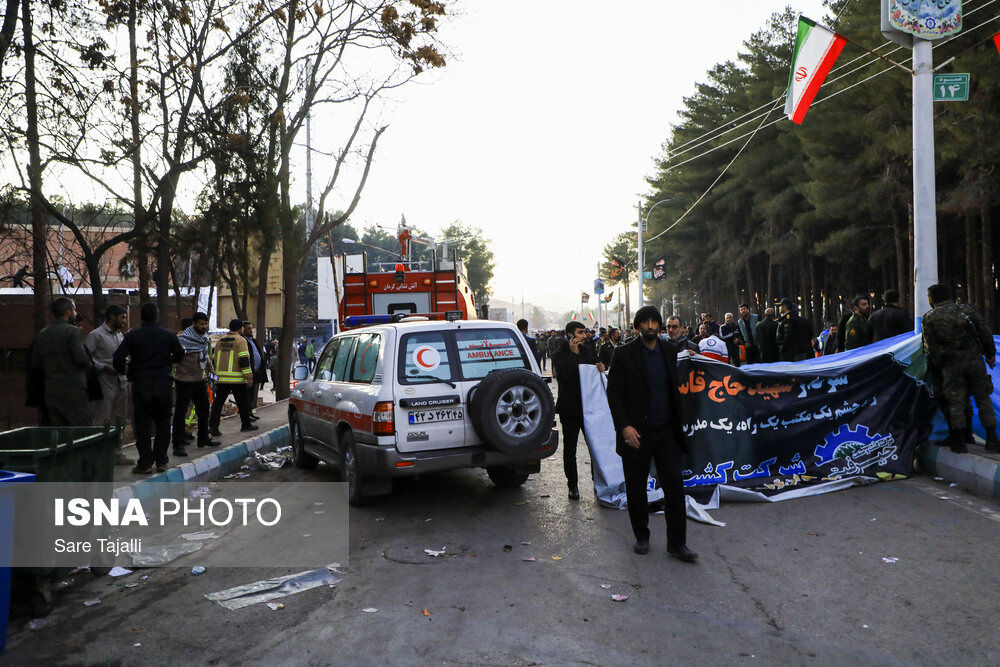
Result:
[{"x": 382, "y": 293}]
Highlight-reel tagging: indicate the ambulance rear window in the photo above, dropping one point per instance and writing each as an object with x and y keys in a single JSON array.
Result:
[{"x": 483, "y": 350}]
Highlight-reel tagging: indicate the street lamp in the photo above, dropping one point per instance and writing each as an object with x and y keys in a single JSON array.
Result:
[{"x": 642, "y": 228}]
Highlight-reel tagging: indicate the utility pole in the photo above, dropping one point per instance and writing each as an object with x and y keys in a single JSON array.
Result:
[
  {"x": 914, "y": 27},
  {"x": 638, "y": 269},
  {"x": 925, "y": 260},
  {"x": 309, "y": 178}
]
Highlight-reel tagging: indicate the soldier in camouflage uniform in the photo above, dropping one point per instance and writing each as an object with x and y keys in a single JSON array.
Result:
[{"x": 955, "y": 339}]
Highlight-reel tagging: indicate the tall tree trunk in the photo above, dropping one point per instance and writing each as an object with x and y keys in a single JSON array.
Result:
[
  {"x": 987, "y": 270},
  {"x": 99, "y": 301},
  {"x": 902, "y": 284},
  {"x": 291, "y": 272},
  {"x": 261, "y": 315},
  {"x": 163, "y": 244},
  {"x": 39, "y": 226},
  {"x": 912, "y": 304},
  {"x": 970, "y": 265},
  {"x": 138, "y": 215},
  {"x": 751, "y": 294}
]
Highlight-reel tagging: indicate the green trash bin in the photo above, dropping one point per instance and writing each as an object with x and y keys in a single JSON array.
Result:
[
  {"x": 55, "y": 454},
  {"x": 62, "y": 453}
]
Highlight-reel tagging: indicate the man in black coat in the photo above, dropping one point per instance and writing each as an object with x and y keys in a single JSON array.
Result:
[
  {"x": 646, "y": 408},
  {"x": 794, "y": 335},
  {"x": 766, "y": 336},
  {"x": 566, "y": 359},
  {"x": 151, "y": 352},
  {"x": 890, "y": 320}
]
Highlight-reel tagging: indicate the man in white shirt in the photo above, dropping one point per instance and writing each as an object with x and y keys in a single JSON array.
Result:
[{"x": 101, "y": 343}]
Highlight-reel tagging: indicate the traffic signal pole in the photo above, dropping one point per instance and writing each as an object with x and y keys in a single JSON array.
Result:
[{"x": 925, "y": 260}]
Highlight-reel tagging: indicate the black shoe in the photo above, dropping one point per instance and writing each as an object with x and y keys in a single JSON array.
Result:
[
  {"x": 161, "y": 467},
  {"x": 214, "y": 432},
  {"x": 574, "y": 493},
  {"x": 142, "y": 470},
  {"x": 254, "y": 418},
  {"x": 180, "y": 451},
  {"x": 992, "y": 442},
  {"x": 210, "y": 443},
  {"x": 956, "y": 442},
  {"x": 250, "y": 427},
  {"x": 682, "y": 553},
  {"x": 641, "y": 546},
  {"x": 968, "y": 438},
  {"x": 188, "y": 437}
]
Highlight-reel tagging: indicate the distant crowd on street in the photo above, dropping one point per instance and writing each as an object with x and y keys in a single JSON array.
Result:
[
  {"x": 175, "y": 379},
  {"x": 642, "y": 385}
]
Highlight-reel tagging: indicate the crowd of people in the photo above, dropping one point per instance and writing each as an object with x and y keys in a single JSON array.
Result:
[
  {"x": 77, "y": 380},
  {"x": 644, "y": 401}
]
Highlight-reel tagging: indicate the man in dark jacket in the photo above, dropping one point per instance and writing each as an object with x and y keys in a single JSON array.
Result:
[
  {"x": 258, "y": 364},
  {"x": 58, "y": 352},
  {"x": 646, "y": 407},
  {"x": 858, "y": 332},
  {"x": 794, "y": 335},
  {"x": 151, "y": 351},
  {"x": 747, "y": 322},
  {"x": 766, "y": 336},
  {"x": 890, "y": 320},
  {"x": 570, "y": 353},
  {"x": 522, "y": 326}
]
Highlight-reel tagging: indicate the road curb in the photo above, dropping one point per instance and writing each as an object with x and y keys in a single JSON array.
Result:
[
  {"x": 208, "y": 468},
  {"x": 974, "y": 473}
]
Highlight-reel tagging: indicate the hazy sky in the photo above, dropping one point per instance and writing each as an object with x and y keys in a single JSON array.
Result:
[{"x": 545, "y": 122}]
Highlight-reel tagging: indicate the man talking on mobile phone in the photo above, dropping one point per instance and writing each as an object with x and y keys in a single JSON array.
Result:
[
  {"x": 646, "y": 409},
  {"x": 566, "y": 361}
]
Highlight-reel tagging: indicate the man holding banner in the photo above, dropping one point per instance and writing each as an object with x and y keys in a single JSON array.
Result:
[{"x": 646, "y": 408}]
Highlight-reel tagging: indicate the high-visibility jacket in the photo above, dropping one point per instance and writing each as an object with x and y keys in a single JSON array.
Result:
[{"x": 232, "y": 359}]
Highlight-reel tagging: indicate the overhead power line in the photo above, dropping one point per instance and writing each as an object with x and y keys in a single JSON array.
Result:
[
  {"x": 720, "y": 131},
  {"x": 763, "y": 124}
]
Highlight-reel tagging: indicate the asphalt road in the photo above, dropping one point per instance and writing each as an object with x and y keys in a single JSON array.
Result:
[{"x": 797, "y": 581}]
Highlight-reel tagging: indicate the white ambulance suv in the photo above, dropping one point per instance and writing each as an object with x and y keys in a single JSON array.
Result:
[{"x": 404, "y": 398}]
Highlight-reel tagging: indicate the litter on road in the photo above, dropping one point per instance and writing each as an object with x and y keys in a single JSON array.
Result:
[
  {"x": 557, "y": 558},
  {"x": 619, "y": 598},
  {"x": 370, "y": 610},
  {"x": 890, "y": 559},
  {"x": 435, "y": 552},
  {"x": 91, "y": 603},
  {"x": 119, "y": 571},
  {"x": 275, "y": 606},
  {"x": 154, "y": 555},
  {"x": 268, "y": 461},
  {"x": 37, "y": 623},
  {"x": 605, "y": 586},
  {"x": 272, "y": 589},
  {"x": 201, "y": 535},
  {"x": 197, "y": 569},
  {"x": 529, "y": 559},
  {"x": 508, "y": 547},
  {"x": 425, "y": 612}
]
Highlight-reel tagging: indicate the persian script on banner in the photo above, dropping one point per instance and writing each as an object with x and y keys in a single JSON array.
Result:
[{"x": 927, "y": 19}]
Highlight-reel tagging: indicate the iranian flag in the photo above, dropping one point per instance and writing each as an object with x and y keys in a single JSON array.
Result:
[{"x": 816, "y": 49}]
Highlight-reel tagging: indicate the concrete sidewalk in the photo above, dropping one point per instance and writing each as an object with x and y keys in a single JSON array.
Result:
[
  {"x": 211, "y": 463},
  {"x": 977, "y": 472}
]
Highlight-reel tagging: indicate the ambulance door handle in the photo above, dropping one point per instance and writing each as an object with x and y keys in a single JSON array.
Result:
[{"x": 337, "y": 396}]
